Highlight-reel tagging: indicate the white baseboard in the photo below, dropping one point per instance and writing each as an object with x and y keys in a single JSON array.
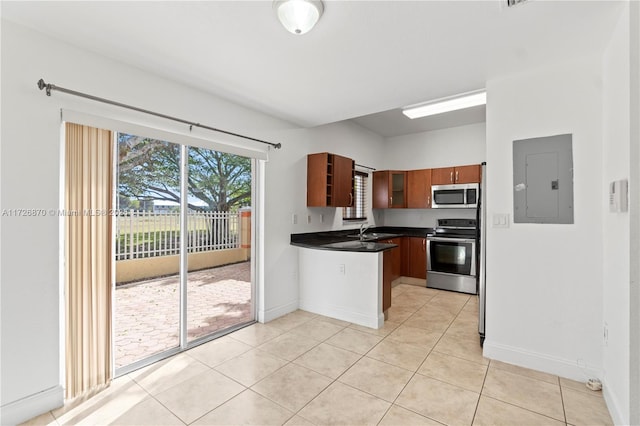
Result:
[
  {"x": 371, "y": 321},
  {"x": 614, "y": 407},
  {"x": 273, "y": 313},
  {"x": 421, "y": 282},
  {"x": 32, "y": 406},
  {"x": 541, "y": 362}
]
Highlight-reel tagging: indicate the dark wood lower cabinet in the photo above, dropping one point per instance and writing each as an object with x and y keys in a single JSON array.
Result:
[
  {"x": 387, "y": 261},
  {"x": 416, "y": 257},
  {"x": 409, "y": 259}
]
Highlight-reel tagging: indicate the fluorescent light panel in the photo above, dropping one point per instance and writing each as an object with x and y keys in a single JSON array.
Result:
[{"x": 466, "y": 100}]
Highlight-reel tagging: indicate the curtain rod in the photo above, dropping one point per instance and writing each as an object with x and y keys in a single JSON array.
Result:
[
  {"x": 49, "y": 87},
  {"x": 365, "y": 167}
]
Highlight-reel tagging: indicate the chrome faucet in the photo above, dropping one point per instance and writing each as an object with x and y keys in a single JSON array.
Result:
[{"x": 363, "y": 229}]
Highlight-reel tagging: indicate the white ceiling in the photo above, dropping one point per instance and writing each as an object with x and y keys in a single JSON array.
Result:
[
  {"x": 394, "y": 123},
  {"x": 363, "y": 57}
]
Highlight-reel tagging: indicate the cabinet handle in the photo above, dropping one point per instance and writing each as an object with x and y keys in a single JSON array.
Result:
[
  {"x": 351, "y": 199},
  {"x": 391, "y": 200},
  {"x": 451, "y": 177},
  {"x": 424, "y": 244},
  {"x": 428, "y": 200},
  {"x": 456, "y": 176}
]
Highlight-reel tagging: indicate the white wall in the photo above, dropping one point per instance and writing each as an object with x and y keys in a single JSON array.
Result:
[
  {"x": 438, "y": 148},
  {"x": 634, "y": 211},
  {"x": 544, "y": 282},
  {"x": 343, "y": 285},
  {"x": 616, "y": 226},
  {"x": 286, "y": 195},
  {"x": 30, "y": 172}
]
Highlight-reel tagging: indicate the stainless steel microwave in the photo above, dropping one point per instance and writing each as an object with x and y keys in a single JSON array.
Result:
[{"x": 456, "y": 196}]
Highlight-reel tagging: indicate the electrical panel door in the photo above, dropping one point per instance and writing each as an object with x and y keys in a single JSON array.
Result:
[{"x": 543, "y": 180}]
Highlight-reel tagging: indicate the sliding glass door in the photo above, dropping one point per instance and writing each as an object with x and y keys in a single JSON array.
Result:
[
  {"x": 183, "y": 269},
  {"x": 219, "y": 291}
]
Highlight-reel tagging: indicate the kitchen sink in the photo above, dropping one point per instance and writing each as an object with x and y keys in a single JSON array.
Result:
[
  {"x": 351, "y": 245},
  {"x": 373, "y": 236}
]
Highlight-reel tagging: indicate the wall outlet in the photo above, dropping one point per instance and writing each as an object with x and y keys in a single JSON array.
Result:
[
  {"x": 321, "y": 218},
  {"x": 605, "y": 334},
  {"x": 294, "y": 219},
  {"x": 341, "y": 268},
  {"x": 308, "y": 218}
]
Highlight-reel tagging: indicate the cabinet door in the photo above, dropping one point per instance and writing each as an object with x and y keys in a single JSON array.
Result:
[
  {"x": 404, "y": 270},
  {"x": 396, "y": 257},
  {"x": 318, "y": 180},
  {"x": 468, "y": 174},
  {"x": 387, "y": 262},
  {"x": 417, "y": 257},
  {"x": 419, "y": 189},
  {"x": 442, "y": 176},
  {"x": 381, "y": 196},
  {"x": 343, "y": 175},
  {"x": 397, "y": 189}
]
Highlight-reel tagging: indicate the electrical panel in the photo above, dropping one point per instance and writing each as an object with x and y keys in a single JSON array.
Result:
[{"x": 543, "y": 180}]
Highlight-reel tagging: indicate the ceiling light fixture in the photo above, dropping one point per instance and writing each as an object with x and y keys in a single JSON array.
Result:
[
  {"x": 451, "y": 103},
  {"x": 298, "y": 16}
]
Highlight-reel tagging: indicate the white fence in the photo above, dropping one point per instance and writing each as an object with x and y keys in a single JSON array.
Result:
[{"x": 141, "y": 234}]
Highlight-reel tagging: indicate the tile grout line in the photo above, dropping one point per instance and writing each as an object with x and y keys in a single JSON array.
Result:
[
  {"x": 564, "y": 410},
  {"x": 295, "y": 413},
  {"x": 428, "y": 354},
  {"x": 416, "y": 371},
  {"x": 361, "y": 356}
]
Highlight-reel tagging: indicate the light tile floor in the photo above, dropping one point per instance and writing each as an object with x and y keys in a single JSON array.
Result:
[{"x": 424, "y": 367}]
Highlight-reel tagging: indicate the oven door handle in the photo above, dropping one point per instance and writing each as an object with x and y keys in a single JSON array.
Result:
[{"x": 453, "y": 240}]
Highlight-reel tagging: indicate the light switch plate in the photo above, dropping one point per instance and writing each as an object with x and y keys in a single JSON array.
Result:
[{"x": 501, "y": 220}]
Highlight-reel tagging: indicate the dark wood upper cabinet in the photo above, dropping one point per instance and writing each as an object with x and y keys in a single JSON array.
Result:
[
  {"x": 330, "y": 179},
  {"x": 468, "y": 174},
  {"x": 389, "y": 189},
  {"x": 442, "y": 176},
  {"x": 380, "y": 199},
  {"x": 343, "y": 181},
  {"x": 458, "y": 174},
  {"x": 419, "y": 189}
]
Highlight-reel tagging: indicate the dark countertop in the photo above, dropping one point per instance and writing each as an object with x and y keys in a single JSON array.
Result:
[{"x": 347, "y": 240}]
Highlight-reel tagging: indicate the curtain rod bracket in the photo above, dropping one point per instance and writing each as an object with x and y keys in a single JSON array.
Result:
[
  {"x": 43, "y": 85},
  {"x": 50, "y": 87}
]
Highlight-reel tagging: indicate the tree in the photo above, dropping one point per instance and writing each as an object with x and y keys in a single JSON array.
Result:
[{"x": 149, "y": 169}]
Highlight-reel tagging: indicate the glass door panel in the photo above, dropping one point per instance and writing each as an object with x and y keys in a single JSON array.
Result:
[
  {"x": 219, "y": 289},
  {"x": 146, "y": 318}
]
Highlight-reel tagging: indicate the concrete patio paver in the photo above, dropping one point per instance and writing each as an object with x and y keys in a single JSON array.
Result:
[{"x": 147, "y": 318}]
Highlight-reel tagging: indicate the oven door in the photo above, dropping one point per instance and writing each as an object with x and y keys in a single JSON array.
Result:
[{"x": 451, "y": 255}]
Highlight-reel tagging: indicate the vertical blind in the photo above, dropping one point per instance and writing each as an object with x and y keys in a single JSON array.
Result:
[
  {"x": 358, "y": 211},
  {"x": 88, "y": 236}
]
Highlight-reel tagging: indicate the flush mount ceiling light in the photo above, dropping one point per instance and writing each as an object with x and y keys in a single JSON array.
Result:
[
  {"x": 451, "y": 103},
  {"x": 298, "y": 16}
]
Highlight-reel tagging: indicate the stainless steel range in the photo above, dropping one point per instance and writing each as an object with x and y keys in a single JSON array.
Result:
[{"x": 452, "y": 255}]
